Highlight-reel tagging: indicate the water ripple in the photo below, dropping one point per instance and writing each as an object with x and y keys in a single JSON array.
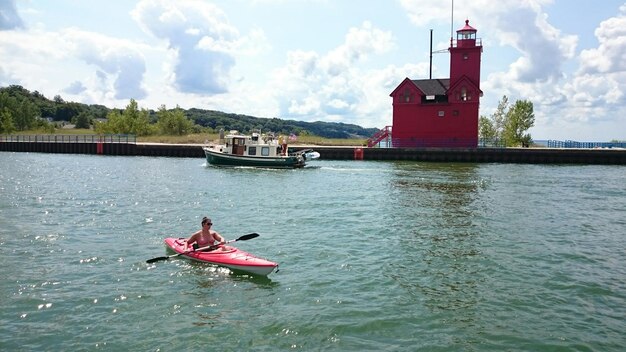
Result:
[{"x": 373, "y": 256}]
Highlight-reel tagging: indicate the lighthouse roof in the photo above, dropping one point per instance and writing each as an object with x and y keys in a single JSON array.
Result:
[
  {"x": 467, "y": 28},
  {"x": 432, "y": 86}
]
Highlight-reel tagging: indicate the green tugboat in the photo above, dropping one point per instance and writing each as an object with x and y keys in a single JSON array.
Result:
[{"x": 257, "y": 150}]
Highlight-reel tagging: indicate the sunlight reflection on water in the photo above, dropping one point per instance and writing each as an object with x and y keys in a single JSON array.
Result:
[{"x": 382, "y": 256}]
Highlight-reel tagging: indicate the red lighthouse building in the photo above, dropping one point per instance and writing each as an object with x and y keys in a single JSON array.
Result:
[{"x": 442, "y": 112}]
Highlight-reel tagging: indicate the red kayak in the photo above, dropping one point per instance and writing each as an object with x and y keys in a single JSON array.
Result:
[{"x": 228, "y": 256}]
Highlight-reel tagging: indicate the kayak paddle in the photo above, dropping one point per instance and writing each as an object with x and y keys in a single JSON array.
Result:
[{"x": 242, "y": 238}]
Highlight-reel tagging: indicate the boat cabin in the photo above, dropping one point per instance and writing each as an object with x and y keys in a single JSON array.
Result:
[
  {"x": 252, "y": 145},
  {"x": 256, "y": 150}
]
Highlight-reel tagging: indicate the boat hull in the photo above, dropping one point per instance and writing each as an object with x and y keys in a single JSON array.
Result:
[
  {"x": 278, "y": 162},
  {"x": 230, "y": 257}
]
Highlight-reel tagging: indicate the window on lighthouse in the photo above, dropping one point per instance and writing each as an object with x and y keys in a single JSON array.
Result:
[
  {"x": 464, "y": 95},
  {"x": 407, "y": 96},
  {"x": 466, "y": 35}
]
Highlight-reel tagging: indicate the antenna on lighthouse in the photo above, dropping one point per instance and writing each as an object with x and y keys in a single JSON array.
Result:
[
  {"x": 443, "y": 50},
  {"x": 431, "y": 55},
  {"x": 452, "y": 23}
]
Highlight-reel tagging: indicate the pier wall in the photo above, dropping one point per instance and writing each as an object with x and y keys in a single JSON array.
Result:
[
  {"x": 472, "y": 155},
  {"x": 500, "y": 155}
]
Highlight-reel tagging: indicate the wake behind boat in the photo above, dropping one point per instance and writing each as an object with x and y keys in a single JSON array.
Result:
[
  {"x": 228, "y": 256},
  {"x": 256, "y": 151}
]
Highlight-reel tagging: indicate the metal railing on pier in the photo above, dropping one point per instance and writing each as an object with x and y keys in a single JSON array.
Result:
[
  {"x": 70, "y": 138},
  {"x": 584, "y": 145},
  {"x": 385, "y": 135},
  {"x": 436, "y": 142}
]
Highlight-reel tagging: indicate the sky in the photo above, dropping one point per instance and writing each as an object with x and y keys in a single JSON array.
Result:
[{"x": 321, "y": 60}]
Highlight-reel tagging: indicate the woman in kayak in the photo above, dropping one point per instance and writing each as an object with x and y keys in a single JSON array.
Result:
[{"x": 204, "y": 237}]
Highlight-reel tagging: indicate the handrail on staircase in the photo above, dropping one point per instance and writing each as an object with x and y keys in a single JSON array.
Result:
[{"x": 379, "y": 136}]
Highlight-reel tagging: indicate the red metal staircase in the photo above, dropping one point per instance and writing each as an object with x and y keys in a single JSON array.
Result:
[{"x": 379, "y": 136}]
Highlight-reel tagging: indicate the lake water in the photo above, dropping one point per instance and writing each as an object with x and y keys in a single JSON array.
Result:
[{"x": 374, "y": 256}]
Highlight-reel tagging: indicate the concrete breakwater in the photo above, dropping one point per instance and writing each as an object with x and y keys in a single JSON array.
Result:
[{"x": 475, "y": 155}]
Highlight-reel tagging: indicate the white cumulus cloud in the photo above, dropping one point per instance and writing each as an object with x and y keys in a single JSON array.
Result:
[
  {"x": 333, "y": 86},
  {"x": 203, "y": 42}
]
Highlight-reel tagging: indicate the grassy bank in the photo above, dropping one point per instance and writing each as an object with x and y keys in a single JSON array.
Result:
[{"x": 202, "y": 138}]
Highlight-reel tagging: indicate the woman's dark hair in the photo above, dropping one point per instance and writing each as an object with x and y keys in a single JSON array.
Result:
[{"x": 205, "y": 220}]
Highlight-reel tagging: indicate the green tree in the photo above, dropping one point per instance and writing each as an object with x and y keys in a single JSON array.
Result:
[
  {"x": 68, "y": 111},
  {"x": 25, "y": 114},
  {"x": 499, "y": 117},
  {"x": 486, "y": 129},
  {"x": 115, "y": 123},
  {"x": 83, "y": 120},
  {"x": 46, "y": 107},
  {"x": 101, "y": 127},
  {"x": 492, "y": 128},
  {"x": 519, "y": 119},
  {"x": 508, "y": 124},
  {"x": 173, "y": 122},
  {"x": 8, "y": 102},
  {"x": 137, "y": 121},
  {"x": 130, "y": 121},
  {"x": 6, "y": 121},
  {"x": 98, "y": 111}
]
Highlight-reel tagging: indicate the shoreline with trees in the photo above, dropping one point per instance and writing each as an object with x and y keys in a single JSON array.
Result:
[
  {"x": 21, "y": 110},
  {"x": 25, "y": 112}
]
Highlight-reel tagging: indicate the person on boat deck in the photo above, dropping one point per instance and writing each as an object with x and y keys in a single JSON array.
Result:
[
  {"x": 282, "y": 141},
  {"x": 205, "y": 237}
]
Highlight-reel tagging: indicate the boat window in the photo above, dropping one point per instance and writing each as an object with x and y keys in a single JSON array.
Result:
[
  {"x": 251, "y": 150},
  {"x": 265, "y": 151}
]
